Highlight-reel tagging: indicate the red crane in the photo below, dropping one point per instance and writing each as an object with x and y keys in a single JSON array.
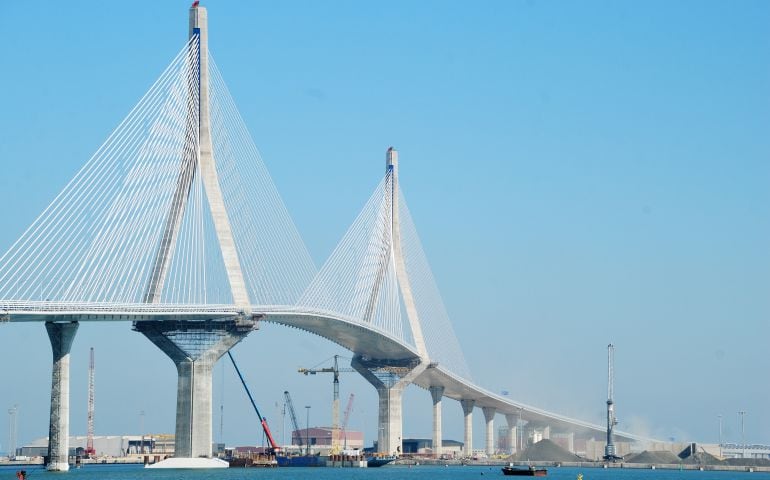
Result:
[
  {"x": 274, "y": 448},
  {"x": 90, "y": 452}
]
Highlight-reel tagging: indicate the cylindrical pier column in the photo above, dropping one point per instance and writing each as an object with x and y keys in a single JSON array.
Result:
[
  {"x": 511, "y": 420},
  {"x": 61, "y": 336},
  {"x": 489, "y": 417},
  {"x": 468, "y": 405},
  {"x": 436, "y": 394}
]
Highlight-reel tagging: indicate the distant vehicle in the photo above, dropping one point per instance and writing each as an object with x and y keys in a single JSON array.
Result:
[{"x": 525, "y": 471}]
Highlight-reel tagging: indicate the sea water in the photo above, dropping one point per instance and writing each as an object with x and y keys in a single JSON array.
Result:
[{"x": 135, "y": 472}]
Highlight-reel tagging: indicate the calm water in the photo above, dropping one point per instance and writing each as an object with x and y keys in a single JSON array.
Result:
[{"x": 121, "y": 472}]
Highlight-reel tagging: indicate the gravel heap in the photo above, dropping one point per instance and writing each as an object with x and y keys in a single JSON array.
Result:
[
  {"x": 547, "y": 451},
  {"x": 702, "y": 458},
  {"x": 654, "y": 457}
]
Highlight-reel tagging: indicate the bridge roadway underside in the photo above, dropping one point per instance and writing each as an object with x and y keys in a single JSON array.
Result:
[{"x": 359, "y": 339}]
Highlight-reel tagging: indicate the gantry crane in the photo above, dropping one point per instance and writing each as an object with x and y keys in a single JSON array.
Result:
[{"x": 335, "y": 369}]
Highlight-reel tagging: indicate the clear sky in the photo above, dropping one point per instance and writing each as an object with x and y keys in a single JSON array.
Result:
[{"x": 579, "y": 172}]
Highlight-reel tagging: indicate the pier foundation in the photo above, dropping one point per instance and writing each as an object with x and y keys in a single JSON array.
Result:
[{"x": 61, "y": 336}]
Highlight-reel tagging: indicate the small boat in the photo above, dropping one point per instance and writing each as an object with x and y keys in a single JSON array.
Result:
[
  {"x": 525, "y": 471},
  {"x": 379, "y": 460}
]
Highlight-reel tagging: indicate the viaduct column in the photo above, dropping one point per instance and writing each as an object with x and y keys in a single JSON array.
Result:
[
  {"x": 61, "y": 336},
  {"x": 511, "y": 419},
  {"x": 468, "y": 405},
  {"x": 436, "y": 394},
  {"x": 390, "y": 378},
  {"x": 489, "y": 417}
]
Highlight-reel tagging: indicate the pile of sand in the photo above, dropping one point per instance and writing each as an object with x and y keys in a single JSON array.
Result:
[
  {"x": 702, "y": 458},
  {"x": 546, "y": 451},
  {"x": 654, "y": 458}
]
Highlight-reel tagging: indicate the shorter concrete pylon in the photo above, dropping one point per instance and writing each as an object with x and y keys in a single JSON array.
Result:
[
  {"x": 468, "y": 405},
  {"x": 437, "y": 394},
  {"x": 194, "y": 347},
  {"x": 61, "y": 334},
  {"x": 390, "y": 378},
  {"x": 489, "y": 418}
]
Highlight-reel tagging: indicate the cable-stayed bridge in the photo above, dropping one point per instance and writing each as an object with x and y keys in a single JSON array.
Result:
[{"x": 175, "y": 224}]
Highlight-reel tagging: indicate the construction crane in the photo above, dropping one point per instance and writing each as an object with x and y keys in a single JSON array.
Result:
[
  {"x": 274, "y": 448},
  {"x": 609, "y": 449},
  {"x": 293, "y": 416},
  {"x": 335, "y": 369},
  {"x": 90, "y": 451},
  {"x": 344, "y": 428}
]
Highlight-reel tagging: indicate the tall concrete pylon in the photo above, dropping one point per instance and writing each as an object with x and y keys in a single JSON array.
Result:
[
  {"x": 390, "y": 378},
  {"x": 195, "y": 346}
]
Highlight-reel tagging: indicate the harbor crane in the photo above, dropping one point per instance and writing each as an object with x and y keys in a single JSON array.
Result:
[
  {"x": 609, "y": 450},
  {"x": 335, "y": 369},
  {"x": 274, "y": 448},
  {"x": 294, "y": 423}
]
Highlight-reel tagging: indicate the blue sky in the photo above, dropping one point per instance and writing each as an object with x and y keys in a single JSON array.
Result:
[{"x": 579, "y": 173}]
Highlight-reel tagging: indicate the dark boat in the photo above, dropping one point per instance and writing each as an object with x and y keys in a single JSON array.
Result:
[
  {"x": 378, "y": 461},
  {"x": 301, "y": 461},
  {"x": 525, "y": 471}
]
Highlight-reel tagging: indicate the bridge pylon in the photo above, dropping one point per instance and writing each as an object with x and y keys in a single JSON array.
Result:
[
  {"x": 390, "y": 377},
  {"x": 195, "y": 346}
]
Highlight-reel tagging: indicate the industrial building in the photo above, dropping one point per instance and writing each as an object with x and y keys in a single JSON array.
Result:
[
  {"x": 106, "y": 446},
  {"x": 320, "y": 439}
]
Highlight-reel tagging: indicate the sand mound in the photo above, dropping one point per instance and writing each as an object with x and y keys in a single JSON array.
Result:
[
  {"x": 546, "y": 451},
  {"x": 702, "y": 458},
  {"x": 654, "y": 457}
]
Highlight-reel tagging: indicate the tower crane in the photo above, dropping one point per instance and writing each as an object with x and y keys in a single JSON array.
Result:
[
  {"x": 335, "y": 369},
  {"x": 293, "y": 416},
  {"x": 609, "y": 449},
  {"x": 344, "y": 428}
]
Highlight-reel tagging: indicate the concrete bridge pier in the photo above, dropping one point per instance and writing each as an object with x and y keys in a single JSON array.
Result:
[
  {"x": 468, "y": 405},
  {"x": 61, "y": 336},
  {"x": 194, "y": 347},
  {"x": 436, "y": 394},
  {"x": 489, "y": 417},
  {"x": 390, "y": 378},
  {"x": 512, "y": 420}
]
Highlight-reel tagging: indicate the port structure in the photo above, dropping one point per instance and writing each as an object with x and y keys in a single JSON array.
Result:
[
  {"x": 610, "y": 454},
  {"x": 334, "y": 369}
]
